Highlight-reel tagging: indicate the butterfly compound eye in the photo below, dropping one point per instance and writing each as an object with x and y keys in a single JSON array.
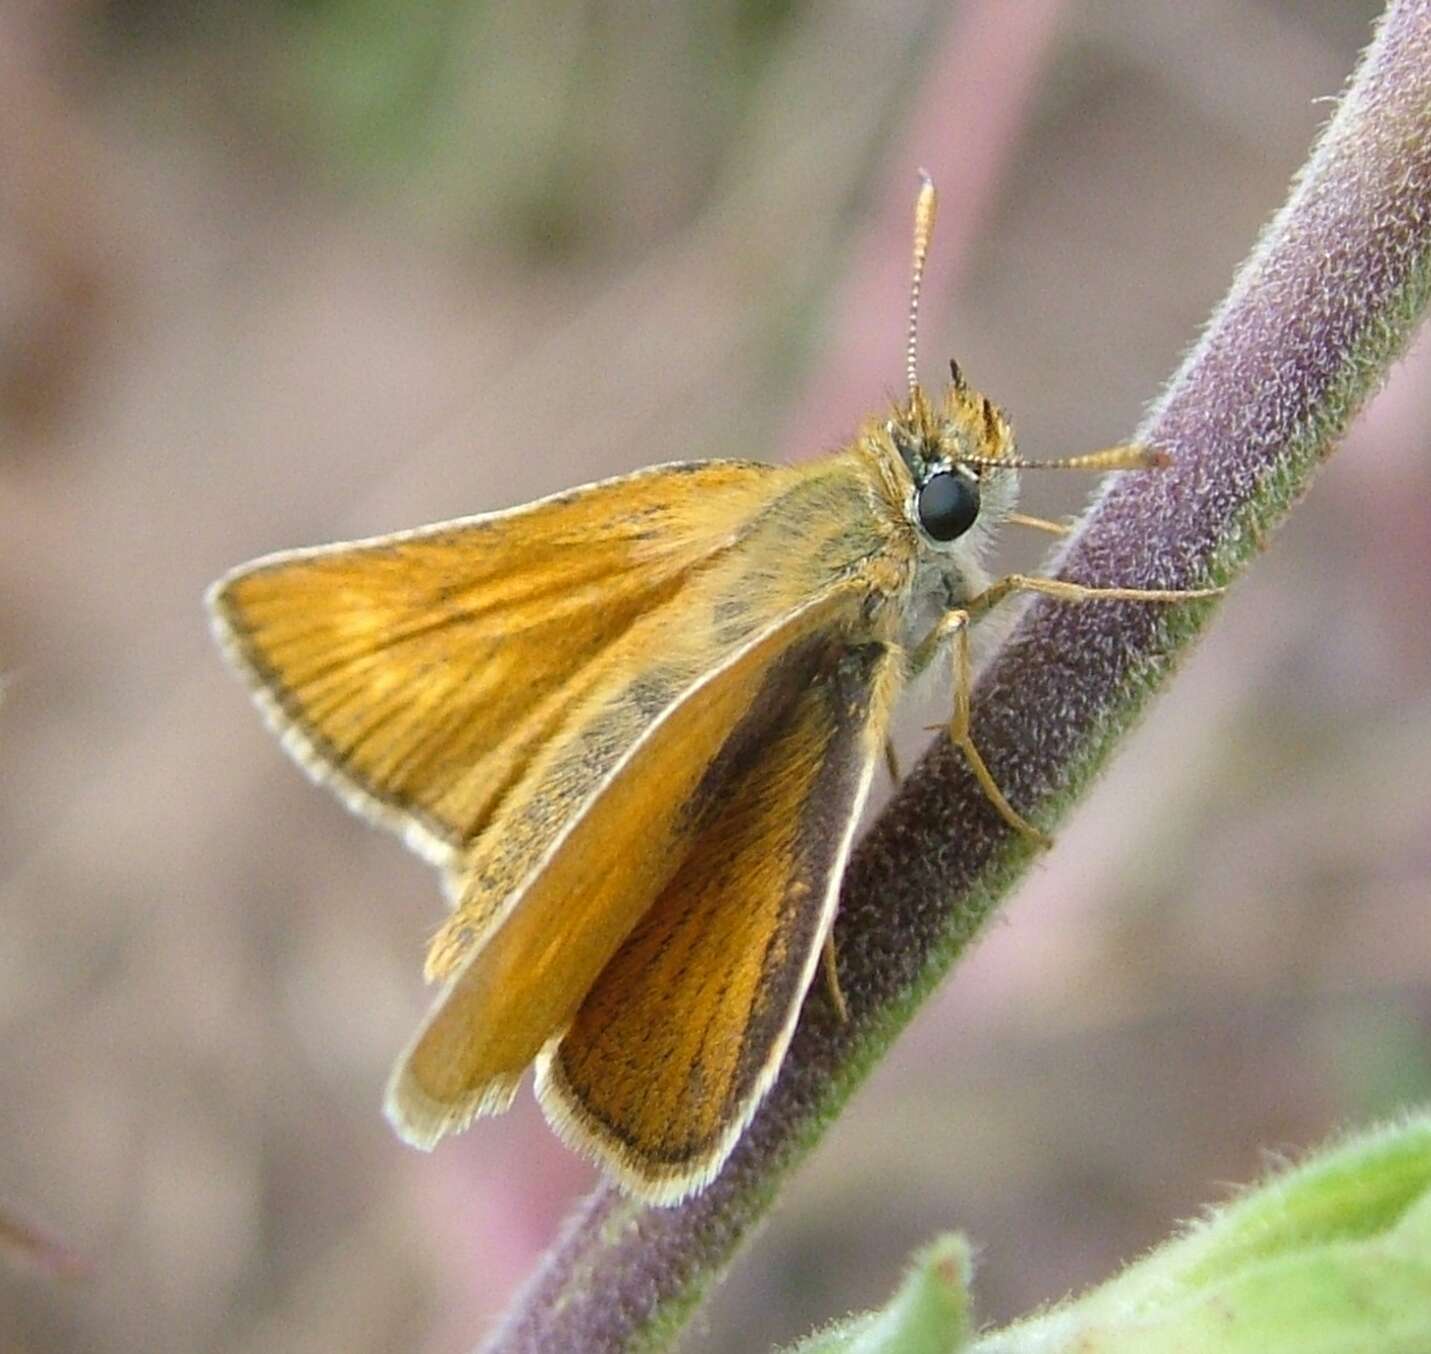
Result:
[{"x": 948, "y": 505}]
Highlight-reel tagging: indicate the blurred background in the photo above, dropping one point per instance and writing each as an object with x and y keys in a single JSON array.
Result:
[{"x": 277, "y": 274}]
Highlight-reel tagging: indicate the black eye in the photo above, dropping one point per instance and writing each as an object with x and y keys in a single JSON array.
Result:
[{"x": 948, "y": 505}]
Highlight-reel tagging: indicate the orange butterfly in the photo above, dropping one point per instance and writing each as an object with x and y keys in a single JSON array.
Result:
[{"x": 634, "y": 725}]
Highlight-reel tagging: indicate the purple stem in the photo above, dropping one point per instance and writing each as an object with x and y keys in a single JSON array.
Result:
[{"x": 1327, "y": 300}]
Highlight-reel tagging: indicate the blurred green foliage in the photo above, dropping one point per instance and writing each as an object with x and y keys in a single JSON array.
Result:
[
  {"x": 1331, "y": 1257},
  {"x": 518, "y": 123}
]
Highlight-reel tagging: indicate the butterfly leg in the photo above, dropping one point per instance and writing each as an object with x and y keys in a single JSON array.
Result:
[
  {"x": 1064, "y": 591},
  {"x": 832, "y": 979},
  {"x": 1022, "y": 519},
  {"x": 955, "y": 625},
  {"x": 891, "y": 761}
]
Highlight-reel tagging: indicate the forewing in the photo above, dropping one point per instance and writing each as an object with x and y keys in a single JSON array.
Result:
[
  {"x": 685, "y": 1028},
  {"x": 418, "y": 673}
]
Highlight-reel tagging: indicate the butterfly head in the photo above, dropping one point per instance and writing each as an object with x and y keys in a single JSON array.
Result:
[
  {"x": 953, "y": 453},
  {"x": 960, "y": 455}
]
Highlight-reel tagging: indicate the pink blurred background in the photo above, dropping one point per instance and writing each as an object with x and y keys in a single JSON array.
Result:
[{"x": 325, "y": 269}]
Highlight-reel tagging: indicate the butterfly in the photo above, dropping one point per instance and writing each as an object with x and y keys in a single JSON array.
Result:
[{"x": 634, "y": 725}]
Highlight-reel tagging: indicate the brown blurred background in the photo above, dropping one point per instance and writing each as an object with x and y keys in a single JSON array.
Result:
[{"x": 289, "y": 272}]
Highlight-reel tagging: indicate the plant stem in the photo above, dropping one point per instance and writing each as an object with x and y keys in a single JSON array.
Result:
[{"x": 1328, "y": 299}]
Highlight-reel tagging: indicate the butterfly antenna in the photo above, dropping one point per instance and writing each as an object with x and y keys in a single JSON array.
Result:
[
  {"x": 1128, "y": 457},
  {"x": 924, "y": 206}
]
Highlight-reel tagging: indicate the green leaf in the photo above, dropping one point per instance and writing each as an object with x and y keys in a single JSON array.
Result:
[
  {"x": 930, "y": 1313},
  {"x": 1332, "y": 1257}
]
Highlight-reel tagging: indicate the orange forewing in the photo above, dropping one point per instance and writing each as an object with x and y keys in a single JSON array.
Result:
[
  {"x": 418, "y": 672},
  {"x": 684, "y": 1030}
]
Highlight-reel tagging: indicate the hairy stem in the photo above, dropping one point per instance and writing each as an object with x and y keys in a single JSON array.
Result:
[{"x": 1327, "y": 300}]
